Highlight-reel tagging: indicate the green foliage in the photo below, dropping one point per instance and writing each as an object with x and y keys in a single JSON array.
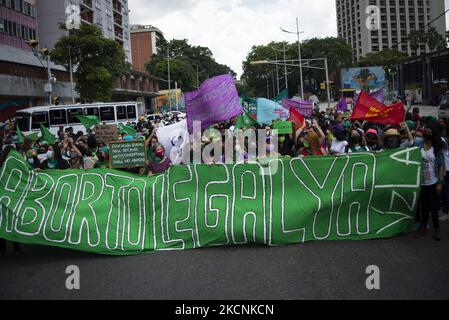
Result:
[
  {"x": 431, "y": 37},
  {"x": 336, "y": 50},
  {"x": 184, "y": 61},
  {"x": 96, "y": 61}
]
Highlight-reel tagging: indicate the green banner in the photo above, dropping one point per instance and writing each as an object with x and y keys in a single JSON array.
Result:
[{"x": 362, "y": 196}]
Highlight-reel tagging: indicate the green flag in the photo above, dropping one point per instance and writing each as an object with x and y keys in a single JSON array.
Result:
[
  {"x": 33, "y": 137},
  {"x": 89, "y": 121},
  {"x": 47, "y": 135},
  {"x": 20, "y": 135},
  {"x": 245, "y": 120},
  {"x": 128, "y": 130},
  {"x": 282, "y": 95},
  {"x": 21, "y": 138}
]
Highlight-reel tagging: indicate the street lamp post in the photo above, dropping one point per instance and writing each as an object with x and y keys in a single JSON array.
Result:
[
  {"x": 71, "y": 75},
  {"x": 299, "y": 54},
  {"x": 277, "y": 75},
  {"x": 307, "y": 62},
  {"x": 285, "y": 69},
  {"x": 169, "y": 80}
]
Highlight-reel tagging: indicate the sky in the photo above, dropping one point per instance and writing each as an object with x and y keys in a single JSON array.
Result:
[{"x": 231, "y": 27}]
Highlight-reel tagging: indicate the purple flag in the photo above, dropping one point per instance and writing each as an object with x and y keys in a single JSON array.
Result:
[
  {"x": 342, "y": 106},
  {"x": 379, "y": 95},
  {"x": 217, "y": 100},
  {"x": 304, "y": 107}
]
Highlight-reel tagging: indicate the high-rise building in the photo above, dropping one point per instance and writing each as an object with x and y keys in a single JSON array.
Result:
[
  {"x": 23, "y": 75},
  {"x": 144, "y": 44},
  {"x": 375, "y": 25},
  {"x": 112, "y": 16}
]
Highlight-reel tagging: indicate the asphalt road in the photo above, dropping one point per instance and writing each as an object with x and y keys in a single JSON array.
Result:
[{"x": 409, "y": 269}]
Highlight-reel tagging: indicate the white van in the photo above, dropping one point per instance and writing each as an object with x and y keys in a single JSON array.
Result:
[{"x": 65, "y": 116}]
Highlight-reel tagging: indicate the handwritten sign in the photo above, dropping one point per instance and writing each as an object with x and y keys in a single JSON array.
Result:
[
  {"x": 106, "y": 133},
  {"x": 129, "y": 154}
]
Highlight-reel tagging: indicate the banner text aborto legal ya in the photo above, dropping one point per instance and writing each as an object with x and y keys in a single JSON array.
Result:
[{"x": 362, "y": 196}]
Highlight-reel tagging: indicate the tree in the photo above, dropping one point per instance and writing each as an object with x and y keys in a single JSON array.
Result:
[
  {"x": 185, "y": 61},
  {"x": 431, "y": 37},
  {"x": 336, "y": 50},
  {"x": 96, "y": 61}
]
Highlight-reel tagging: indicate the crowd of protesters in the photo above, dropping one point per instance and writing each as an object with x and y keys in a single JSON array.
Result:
[{"x": 322, "y": 134}]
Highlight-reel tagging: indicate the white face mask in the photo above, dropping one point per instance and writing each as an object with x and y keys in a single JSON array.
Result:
[
  {"x": 50, "y": 155},
  {"x": 31, "y": 161}
]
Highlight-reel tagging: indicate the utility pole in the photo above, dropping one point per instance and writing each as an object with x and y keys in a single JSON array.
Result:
[
  {"x": 277, "y": 74},
  {"x": 71, "y": 76},
  {"x": 169, "y": 80},
  {"x": 285, "y": 67},
  {"x": 328, "y": 85},
  {"x": 300, "y": 60}
]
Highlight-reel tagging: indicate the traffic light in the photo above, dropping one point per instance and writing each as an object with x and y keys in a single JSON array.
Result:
[
  {"x": 33, "y": 43},
  {"x": 56, "y": 101}
]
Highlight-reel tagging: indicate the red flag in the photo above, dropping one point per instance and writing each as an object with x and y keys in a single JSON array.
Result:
[
  {"x": 296, "y": 117},
  {"x": 369, "y": 109}
]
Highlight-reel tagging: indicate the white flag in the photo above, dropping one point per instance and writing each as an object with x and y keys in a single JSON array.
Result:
[{"x": 176, "y": 141}]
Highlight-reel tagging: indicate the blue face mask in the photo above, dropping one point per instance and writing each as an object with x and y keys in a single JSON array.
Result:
[{"x": 419, "y": 142}]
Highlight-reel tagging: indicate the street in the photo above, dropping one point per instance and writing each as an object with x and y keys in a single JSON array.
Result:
[{"x": 409, "y": 269}]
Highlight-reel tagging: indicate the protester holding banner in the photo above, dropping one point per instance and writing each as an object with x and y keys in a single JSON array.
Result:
[
  {"x": 160, "y": 163},
  {"x": 313, "y": 145},
  {"x": 433, "y": 171},
  {"x": 357, "y": 143},
  {"x": 339, "y": 143},
  {"x": 54, "y": 159}
]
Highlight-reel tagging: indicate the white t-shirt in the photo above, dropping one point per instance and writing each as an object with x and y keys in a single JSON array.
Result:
[
  {"x": 339, "y": 147},
  {"x": 429, "y": 175}
]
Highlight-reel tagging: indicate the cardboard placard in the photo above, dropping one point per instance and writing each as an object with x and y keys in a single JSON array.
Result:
[
  {"x": 127, "y": 154},
  {"x": 106, "y": 133}
]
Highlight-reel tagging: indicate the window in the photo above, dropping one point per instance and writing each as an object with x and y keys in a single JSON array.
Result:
[
  {"x": 121, "y": 113},
  {"x": 91, "y": 112},
  {"x": 72, "y": 113},
  {"x": 23, "y": 121},
  {"x": 58, "y": 117},
  {"x": 2, "y": 25},
  {"x": 38, "y": 118},
  {"x": 107, "y": 114},
  {"x": 131, "y": 111}
]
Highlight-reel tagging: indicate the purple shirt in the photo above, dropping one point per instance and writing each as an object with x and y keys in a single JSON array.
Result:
[{"x": 160, "y": 167}]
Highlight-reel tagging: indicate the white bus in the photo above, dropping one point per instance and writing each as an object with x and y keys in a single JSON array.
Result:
[{"x": 54, "y": 117}]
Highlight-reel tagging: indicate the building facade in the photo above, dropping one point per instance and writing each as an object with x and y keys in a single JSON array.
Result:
[
  {"x": 112, "y": 16},
  {"x": 376, "y": 25},
  {"x": 22, "y": 74},
  {"x": 144, "y": 44}
]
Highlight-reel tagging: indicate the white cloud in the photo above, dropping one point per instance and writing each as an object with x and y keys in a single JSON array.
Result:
[{"x": 230, "y": 28}]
